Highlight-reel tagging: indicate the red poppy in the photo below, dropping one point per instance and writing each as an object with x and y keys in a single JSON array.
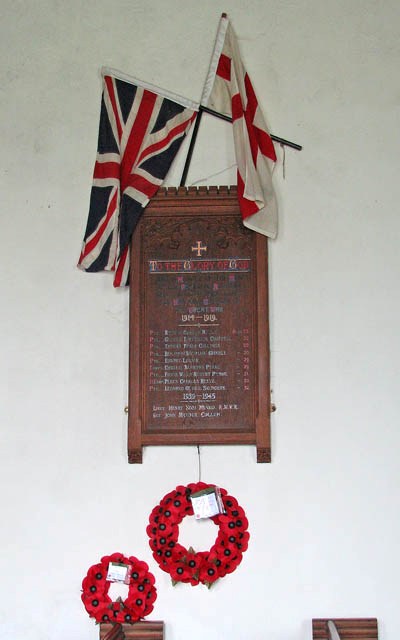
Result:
[
  {"x": 95, "y": 603},
  {"x": 230, "y": 503},
  {"x": 103, "y": 613},
  {"x": 181, "y": 572},
  {"x": 232, "y": 564},
  {"x": 151, "y": 529},
  {"x": 239, "y": 517},
  {"x": 97, "y": 572},
  {"x": 194, "y": 561},
  {"x": 243, "y": 541},
  {"x": 209, "y": 574},
  {"x": 167, "y": 528},
  {"x": 117, "y": 612},
  {"x": 148, "y": 609},
  {"x": 156, "y": 514},
  {"x": 91, "y": 585},
  {"x": 178, "y": 504},
  {"x": 114, "y": 557},
  {"x": 151, "y": 596},
  {"x": 231, "y": 543},
  {"x": 140, "y": 569}
]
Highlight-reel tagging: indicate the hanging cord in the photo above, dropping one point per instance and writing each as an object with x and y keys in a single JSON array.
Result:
[
  {"x": 199, "y": 461},
  {"x": 283, "y": 161},
  {"x": 218, "y": 173}
]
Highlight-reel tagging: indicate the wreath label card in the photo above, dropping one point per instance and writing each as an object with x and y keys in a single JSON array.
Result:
[
  {"x": 119, "y": 572},
  {"x": 207, "y": 503}
]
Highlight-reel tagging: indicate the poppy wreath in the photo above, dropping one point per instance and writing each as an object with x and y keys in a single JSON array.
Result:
[
  {"x": 185, "y": 565},
  {"x": 141, "y": 595}
]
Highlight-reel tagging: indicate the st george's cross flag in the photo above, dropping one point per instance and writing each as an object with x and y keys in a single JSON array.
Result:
[
  {"x": 141, "y": 130},
  {"x": 228, "y": 90}
]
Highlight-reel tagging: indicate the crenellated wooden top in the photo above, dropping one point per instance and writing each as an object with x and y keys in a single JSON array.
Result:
[{"x": 197, "y": 192}]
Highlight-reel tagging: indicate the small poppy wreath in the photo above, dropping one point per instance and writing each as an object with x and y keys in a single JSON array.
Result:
[
  {"x": 184, "y": 565},
  {"x": 141, "y": 595}
]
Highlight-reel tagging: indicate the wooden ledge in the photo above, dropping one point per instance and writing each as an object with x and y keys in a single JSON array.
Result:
[
  {"x": 143, "y": 630},
  {"x": 348, "y": 628}
]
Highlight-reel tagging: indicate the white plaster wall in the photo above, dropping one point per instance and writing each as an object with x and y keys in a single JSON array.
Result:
[{"x": 324, "y": 516}]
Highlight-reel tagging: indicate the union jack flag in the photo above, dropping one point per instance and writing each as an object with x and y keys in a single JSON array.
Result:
[{"x": 140, "y": 133}]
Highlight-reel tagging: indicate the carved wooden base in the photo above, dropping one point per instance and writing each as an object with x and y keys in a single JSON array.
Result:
[
  {"x": 135, "y": 456},
  {"x": 348, "y": 628},
  {"x": 263, "y": 454},
  {"x": 143, "y": 630}
]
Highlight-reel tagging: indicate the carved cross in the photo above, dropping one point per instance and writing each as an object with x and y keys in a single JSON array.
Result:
[{"x": 199, "y": 248}]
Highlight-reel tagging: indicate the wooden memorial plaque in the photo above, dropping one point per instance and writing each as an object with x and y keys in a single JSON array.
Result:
[{"x": 199, "y": 333}]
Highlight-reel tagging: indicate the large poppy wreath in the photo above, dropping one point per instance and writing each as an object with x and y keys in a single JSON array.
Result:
[
  {"x": 141, "y": 595},
  {"x": 184, "y": 565}
]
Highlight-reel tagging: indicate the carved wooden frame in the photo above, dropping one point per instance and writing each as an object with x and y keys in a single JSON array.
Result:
[{"x": 216, "y": 204}]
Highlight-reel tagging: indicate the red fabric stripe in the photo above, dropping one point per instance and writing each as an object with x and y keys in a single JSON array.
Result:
[
  {"x": 237, "y": 113},
  {"x": 259, "y": 137},
  {"x": 224, "y": 67},
  {"x": 237, "y": 107},
  {"x": 106, "y": 170},
  {"x": 247, "y": 207},
  {"x": 252, "y": 137},
  {"x": 89, "y": 246},
  {"x": 252, "y": 103},
  {"x": 120, "y": 268},
  {"x": 111, "y": 93},
  {"x": 141, "y": 184},
  {"x": 180, "y": 128},
  {"x": 136, "y": 135},
  {"x": 251, "y": 108},
  {"x": 265, "y": 143}
]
